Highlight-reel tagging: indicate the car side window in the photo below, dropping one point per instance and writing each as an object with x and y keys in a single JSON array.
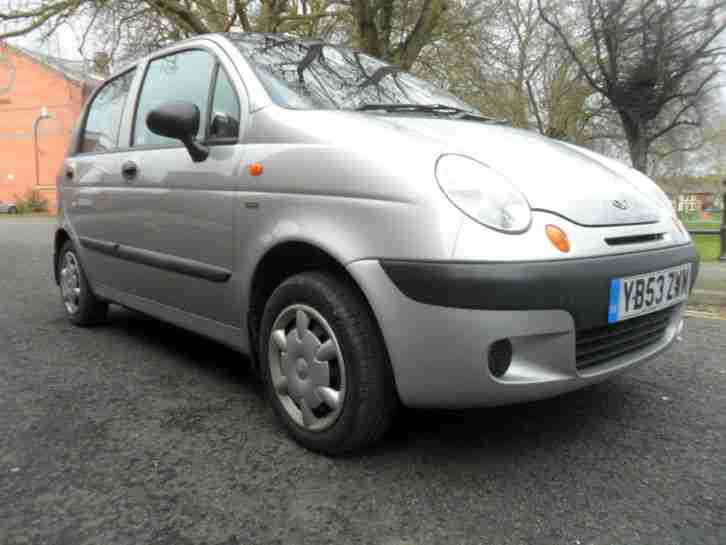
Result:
[
  {"x": 184, "y": 76},
  {"x": 103, "y": 121},
  {"x": 225, "y": 114}
]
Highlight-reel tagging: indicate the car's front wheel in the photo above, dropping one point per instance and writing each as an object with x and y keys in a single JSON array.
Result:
[
  {"x": 325, "y": 365},
  {"x": 81, "y": 305},
  {"x": 12, "y": 210}
]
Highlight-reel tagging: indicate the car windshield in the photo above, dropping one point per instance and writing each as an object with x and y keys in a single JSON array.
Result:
[{"x": 306, "y": 74}]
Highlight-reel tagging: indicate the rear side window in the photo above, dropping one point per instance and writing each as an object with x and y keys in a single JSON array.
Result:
[
  {"x": 103, "y": 122},
  {"x": 185, "y": 76}
]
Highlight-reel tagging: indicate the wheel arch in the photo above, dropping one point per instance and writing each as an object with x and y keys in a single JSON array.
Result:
[
  {"x": 280, "y": 262},
  {"x": 61, "y": 237}
]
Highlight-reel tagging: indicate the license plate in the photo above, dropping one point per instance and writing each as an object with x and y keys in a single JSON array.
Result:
[{"x": 636, "y": 295}]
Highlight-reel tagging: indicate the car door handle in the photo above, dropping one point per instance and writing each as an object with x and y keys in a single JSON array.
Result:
[{"x": 129, "y": 170}]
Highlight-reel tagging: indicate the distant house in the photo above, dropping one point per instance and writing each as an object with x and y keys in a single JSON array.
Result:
[
  {"x": 40, "y": 100},
  {"x": 694, "y": 195}
]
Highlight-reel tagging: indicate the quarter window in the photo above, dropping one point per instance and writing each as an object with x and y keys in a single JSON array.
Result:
[
  {"x": 101, "y": 132},
  {"x": 224, "y": 124},
  {"x": 184, "y": 77}
]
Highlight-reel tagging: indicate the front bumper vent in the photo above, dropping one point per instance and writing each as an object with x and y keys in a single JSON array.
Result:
[
  {"x": 602, "y": 344},
  {"x": 635, "y": 239}
]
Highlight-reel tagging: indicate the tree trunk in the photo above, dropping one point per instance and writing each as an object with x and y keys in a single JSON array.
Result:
[
  {"x": 637, "y": 142},
  {"x": 417, "y": 39},
  {"x": 368, "y": 39},
  {"x": 269, "y": 19}
]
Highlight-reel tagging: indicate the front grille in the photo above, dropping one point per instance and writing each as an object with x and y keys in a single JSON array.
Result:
[{"x": 602, "y": 344}]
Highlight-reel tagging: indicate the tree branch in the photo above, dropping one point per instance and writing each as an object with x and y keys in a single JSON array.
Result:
[{"x": 568, "y": 46}]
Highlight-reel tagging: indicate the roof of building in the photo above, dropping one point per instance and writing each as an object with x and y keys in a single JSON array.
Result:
[
  {"x": 684, "y": 185},
  {"x": 79, "y": 71}
]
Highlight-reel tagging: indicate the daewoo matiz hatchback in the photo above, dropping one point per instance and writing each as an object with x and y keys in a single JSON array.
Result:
[{"x": 367, "y": 238}]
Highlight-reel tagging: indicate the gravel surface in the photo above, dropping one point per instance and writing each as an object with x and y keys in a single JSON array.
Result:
[{"x": 136, "y": 432}]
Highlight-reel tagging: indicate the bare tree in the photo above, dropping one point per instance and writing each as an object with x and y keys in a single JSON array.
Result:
[
  {"x": 653, "y": 60},
  {"x": 511, "y": 66},
  {"x": 692, "y": 152},
  {"x": 137, "y": 27},
  {"x": 397, "y": 30},
  {"x": 394, "y": 30}
]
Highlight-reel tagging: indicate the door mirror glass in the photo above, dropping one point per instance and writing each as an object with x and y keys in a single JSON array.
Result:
[{"x": 178, "y": 120}]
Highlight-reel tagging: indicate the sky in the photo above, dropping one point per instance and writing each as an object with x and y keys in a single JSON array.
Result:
[{"x": 63, "y": 43}]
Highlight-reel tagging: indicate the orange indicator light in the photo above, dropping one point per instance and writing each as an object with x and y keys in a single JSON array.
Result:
[
  {"x": 255, "y": 169},
  {"x": 558, "y": 238}
]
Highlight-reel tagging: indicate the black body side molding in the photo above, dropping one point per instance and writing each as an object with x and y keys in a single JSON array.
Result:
[{"x": 158, "y": 260}]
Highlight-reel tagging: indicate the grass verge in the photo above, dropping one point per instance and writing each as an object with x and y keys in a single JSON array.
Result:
[{"x": 709, "y": 246}]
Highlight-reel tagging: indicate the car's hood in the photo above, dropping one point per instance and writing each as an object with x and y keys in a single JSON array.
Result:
[{"x": 577, "y": 184}]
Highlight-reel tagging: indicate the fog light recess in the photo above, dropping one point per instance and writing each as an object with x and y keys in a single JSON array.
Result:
[{"x": 500, "y": 357}]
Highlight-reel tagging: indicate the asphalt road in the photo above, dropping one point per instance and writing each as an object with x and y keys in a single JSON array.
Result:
[{"x": 136, "y": 432}]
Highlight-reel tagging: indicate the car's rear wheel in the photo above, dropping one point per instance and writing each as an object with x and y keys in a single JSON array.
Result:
[
  {"x": 12, "y": 210},
  {"x": 325, "y": 365},
  {"x": 81, "y": 305}
]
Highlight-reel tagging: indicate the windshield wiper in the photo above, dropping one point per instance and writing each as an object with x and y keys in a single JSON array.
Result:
[{"x": 439, "y": 109}]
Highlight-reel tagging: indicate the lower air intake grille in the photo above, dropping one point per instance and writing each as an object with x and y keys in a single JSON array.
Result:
[
  {"x": 634, "y": 239},
  {"x": 602, "y": 344}
]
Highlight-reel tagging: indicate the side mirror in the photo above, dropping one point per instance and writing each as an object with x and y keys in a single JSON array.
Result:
[
  {"x": 179, "y": 120},
  {"x": 223, "y": 126}
]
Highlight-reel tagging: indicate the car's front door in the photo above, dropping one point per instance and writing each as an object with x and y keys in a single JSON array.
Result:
[{"x": 184, "y": 238}]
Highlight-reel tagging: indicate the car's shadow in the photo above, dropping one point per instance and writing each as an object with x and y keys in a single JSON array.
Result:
[
  {"x": 187, "y": 348},
  {"x": 495, "y": 429}
]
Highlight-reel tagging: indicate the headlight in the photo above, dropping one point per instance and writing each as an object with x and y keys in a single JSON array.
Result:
[{"x": 483, "y": 194}]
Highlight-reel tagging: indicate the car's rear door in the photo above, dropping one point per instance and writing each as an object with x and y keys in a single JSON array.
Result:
[
  {"x": 93, "y": 177},
  {"x": 184, "y": 238}
]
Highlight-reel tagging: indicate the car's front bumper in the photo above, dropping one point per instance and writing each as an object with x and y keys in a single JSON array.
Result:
[{"x": 439, "y": 320}]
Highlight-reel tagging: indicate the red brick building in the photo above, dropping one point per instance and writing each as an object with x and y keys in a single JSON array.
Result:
[
  {"x": 694, "y": 195},
  {"x": 40, "y": 100}
]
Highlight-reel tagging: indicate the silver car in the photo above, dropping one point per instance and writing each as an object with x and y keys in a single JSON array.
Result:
[
  {"x": 8, "y": 208},
  {"x": 366, "y": 238}
]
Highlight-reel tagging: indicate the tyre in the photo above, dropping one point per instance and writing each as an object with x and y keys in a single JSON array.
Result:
[
  {"x": 12, "y": 210},
  {"x": 81, "y": 305},
  {"x": 324, "y": 364}
]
